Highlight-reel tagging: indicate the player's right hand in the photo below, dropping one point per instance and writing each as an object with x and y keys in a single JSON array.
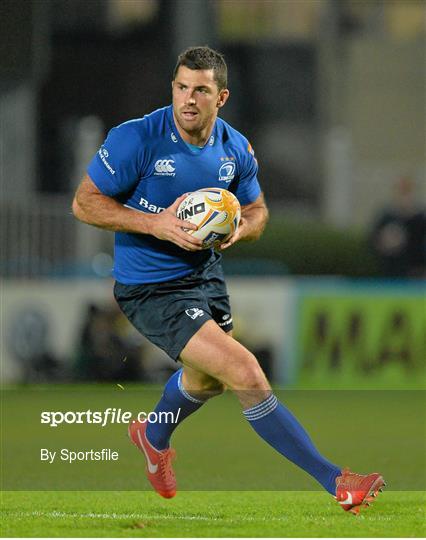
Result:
[{"x": 167, "y": 226}]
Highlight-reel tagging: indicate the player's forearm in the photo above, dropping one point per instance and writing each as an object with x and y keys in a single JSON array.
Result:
[
  {"x": 254, "y": 219},
  {"x": 106, "y": 213}
]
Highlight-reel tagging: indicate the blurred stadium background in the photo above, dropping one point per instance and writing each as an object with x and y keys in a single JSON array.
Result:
[{"x": 331, "y": 94}]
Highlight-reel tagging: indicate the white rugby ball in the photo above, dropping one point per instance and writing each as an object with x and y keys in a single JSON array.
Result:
[{"x": 216, "y": 211}]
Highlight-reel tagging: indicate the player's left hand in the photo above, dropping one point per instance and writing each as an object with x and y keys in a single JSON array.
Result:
[{"x": 238, "y": 235}]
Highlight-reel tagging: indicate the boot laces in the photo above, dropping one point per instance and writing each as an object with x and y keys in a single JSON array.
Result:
[
  {"x": 165, "y": 464},
  {"x": 351, "y": 479}
]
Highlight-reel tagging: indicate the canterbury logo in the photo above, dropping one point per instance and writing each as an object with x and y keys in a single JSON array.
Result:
[
  {"x": 164, "y": 167},
  {"x": 348, "y": 499},
  {"x": 151, "y": 467}
]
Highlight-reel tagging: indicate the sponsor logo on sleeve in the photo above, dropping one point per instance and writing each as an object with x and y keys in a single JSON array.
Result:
[{"x": 103, "y": 154}]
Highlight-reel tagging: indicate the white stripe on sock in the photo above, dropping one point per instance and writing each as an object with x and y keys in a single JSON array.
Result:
[
  {"x": 263, "y": 413},
  {"x": 261, "y": 409},
  {"x": 260, "y": 405}
]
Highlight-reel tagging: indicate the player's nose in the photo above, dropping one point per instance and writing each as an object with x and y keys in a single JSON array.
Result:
[{"x": 190, "y": 99}]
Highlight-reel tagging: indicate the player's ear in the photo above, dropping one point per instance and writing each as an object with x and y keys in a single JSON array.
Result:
[{"x": 222, "y": 98}]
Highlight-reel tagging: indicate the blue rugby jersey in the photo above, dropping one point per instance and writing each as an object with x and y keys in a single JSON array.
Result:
[{"x": 145, "y": 165}]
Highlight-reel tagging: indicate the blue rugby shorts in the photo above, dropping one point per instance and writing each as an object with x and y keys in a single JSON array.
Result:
[{"x": 170, "y": 313}]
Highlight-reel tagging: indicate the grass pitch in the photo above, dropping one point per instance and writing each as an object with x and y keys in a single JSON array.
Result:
[
  {"x": 217, "y": 450},
  {"x": 207, "y": 514},
  {"x": 223, "y": 469}
]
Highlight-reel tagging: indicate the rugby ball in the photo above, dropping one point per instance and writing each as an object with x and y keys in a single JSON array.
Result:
[{"x": 216, "y": 211}]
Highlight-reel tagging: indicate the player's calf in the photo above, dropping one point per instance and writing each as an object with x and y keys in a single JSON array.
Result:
[{"x": 200, "y": 385}]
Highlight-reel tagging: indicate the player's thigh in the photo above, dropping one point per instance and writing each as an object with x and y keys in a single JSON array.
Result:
[
  {"x": 217, "y": 354},
  {"x": 195, "y": 380}
]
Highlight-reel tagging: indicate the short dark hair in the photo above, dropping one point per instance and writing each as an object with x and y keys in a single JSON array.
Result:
[{"x": 204, "y": 58}]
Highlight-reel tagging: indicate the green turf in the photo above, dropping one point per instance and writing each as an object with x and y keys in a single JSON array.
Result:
[
  {"x": 218, "y": 452},
  {"x": 207, "y": 514},
  {"x": 217, "y": 449}
]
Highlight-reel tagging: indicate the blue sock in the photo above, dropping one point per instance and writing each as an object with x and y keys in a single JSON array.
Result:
[
  {"x": 279, "y": 428},
  {"x": 174, "y": 397}
]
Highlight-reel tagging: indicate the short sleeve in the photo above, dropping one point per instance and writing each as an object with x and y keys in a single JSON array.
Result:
[
  {"x": 115, "y": 168},
  {"x": 248, "y": 188}
]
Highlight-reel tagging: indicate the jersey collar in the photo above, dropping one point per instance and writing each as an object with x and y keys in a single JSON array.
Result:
[{"x": 177, "y": 139}]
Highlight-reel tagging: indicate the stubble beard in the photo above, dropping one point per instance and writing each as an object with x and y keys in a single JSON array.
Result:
[
  {"x": 188, "y": 127},
  {"x": 195, "y": 131}
]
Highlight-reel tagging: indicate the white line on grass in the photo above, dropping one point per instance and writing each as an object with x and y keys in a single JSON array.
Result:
[{"x": 92, "y": 515}]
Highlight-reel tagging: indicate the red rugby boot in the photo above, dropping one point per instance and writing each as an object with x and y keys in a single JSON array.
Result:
[
  {"x": 354, "y": 491},
  {"x": 158, "y": 462}
]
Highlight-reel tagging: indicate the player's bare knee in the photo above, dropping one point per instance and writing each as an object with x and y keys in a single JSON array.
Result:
[
  {"x": 254, "y": 380},
  {"x": 248, "y": 376}
]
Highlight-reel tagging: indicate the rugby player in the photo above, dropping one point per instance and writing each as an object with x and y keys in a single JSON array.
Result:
[{"x": 174, "y": 292}]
